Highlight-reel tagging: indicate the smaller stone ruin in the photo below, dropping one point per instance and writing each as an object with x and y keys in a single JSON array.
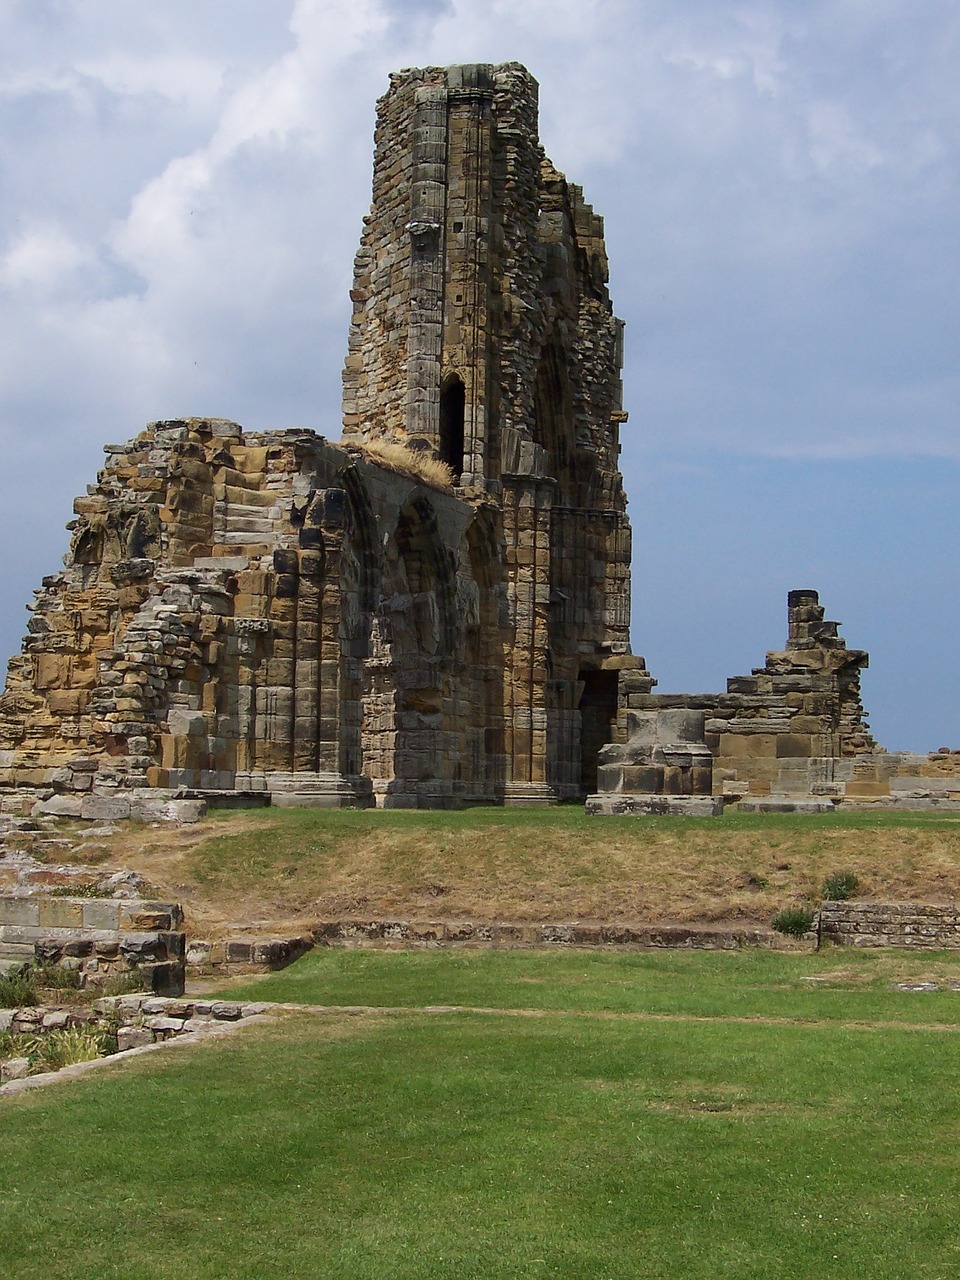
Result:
[
  {"x": 665, "y": 767},
  {"x": 790, "y": 737}
]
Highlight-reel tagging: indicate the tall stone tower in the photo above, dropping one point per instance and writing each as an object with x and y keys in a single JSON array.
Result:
[
  {"x": 482, "y": 327},
  {"x": 483, "y": 335}
]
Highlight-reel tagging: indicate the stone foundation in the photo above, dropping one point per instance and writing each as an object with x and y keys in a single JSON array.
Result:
[
  {"x": 245, "y": 954},
  {"x": 664, "y": 769},
  {"x": 473, "y": 933},
  {"x": 916, "y": 925},
  {"x": 97, "y": 937}
]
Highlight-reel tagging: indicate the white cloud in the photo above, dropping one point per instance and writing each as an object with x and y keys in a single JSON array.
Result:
[
  {"x": 44, "y": 259},
  {"x": 181, "y": 78},
  {"x": 837, "y": 141},
  {"x": 183, "y": 193}
]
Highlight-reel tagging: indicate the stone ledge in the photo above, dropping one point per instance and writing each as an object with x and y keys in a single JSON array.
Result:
[
  {"x": 787, "y": 804},
  {"x": 426, "y": 933},
  {"x": 612, "y": 804},
  {"x": 244, "y": 953}
]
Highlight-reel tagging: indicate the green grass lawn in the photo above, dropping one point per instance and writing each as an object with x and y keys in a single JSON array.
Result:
[
  {"x": 835, "y": 984},
  {"x": 414, "y": 1145}
]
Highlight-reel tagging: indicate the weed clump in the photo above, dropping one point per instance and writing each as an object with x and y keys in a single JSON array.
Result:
[
  {"x": 399, "y": 457},
  {"x": 34, "y": 983},
  {"x": 795, "y": 921},
  {"x": 51, "y": 977},
  {"x": 18, "y": 990},
  {"x": 840, "y": 886},
  {"x": 57, "y": 1049}
]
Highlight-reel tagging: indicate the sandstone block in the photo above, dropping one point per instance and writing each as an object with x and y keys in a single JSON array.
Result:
[
  {"x": 134, "y": 1037},
  {"x": 14, "y": 1069}
]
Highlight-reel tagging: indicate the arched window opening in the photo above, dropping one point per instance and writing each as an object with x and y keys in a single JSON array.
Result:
[{"x": 452, "y": 405}]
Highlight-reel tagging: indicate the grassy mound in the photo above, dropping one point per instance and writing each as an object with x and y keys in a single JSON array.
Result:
[{"x": 291, "y": 867}]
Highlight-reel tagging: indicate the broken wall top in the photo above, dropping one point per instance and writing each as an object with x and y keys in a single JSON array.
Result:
[{"x": 482, "y": 274}]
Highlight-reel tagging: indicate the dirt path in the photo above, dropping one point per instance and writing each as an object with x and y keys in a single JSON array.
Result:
[{"x": 606, "y": 1015}]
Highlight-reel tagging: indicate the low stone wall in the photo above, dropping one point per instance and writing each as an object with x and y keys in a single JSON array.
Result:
[
  {"x": 242, "y": 954},
  {"x": 466, "y": 932},
  {"x": 99, "y": 937},
  {"x": 37, "y": 1021},
  {"x": 142, "y": 805},
  {"x": 132, "y": 1022},
  {"x": 145, "y": 1019},
  {"x": 917, "y": 925}
]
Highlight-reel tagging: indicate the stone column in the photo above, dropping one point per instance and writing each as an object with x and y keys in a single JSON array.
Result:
[
  {"x": 527, "y": 518},
  {"x": 317, "y": 777},
  {"x": 469, "y": 219},
  {"x": 425, "y": 327},
  {"x": 275, "y": 709},
  {"x": 307, "y": 667}
]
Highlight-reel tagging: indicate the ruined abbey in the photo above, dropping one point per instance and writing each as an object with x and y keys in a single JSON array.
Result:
[{"x": 434, "y": 611}]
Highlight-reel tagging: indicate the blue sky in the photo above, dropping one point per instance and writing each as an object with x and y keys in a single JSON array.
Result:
[{"x": 181, "y": 188}]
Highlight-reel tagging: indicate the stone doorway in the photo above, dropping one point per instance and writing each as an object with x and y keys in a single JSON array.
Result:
[{"x": 598, "y": 718}]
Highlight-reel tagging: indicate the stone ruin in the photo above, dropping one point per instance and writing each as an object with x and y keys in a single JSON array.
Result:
[
  {"x": 433, "y": 612},
  {"x": 269, "y": 613}
]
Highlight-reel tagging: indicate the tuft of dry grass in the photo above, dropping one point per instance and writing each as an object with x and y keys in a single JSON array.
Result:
[
  {"x": 408, "y": 462},
  {"x": 279, "y": 869}
]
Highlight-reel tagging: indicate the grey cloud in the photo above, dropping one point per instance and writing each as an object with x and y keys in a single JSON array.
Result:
[{"x": 779, "y": 184}]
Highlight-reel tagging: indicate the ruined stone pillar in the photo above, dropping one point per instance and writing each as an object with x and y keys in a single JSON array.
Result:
[
  {"x": 468, "y": 221},
  {"x": 275, "y": 707},
  {"x": 527, "y": 521},
  {"x": 307, "y": 665},
  {"x": 318, "y": 775},
  {"x": 425, "y": 324}
]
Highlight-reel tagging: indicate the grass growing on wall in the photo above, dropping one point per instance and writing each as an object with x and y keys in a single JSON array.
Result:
[{"x": 427, "y": 1146}]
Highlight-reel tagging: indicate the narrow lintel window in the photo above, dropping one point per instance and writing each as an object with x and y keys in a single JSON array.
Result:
[{"x": 452, "y": 404}]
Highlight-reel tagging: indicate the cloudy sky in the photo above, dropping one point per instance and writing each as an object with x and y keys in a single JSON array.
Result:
[{"x": 181, "y": 189}]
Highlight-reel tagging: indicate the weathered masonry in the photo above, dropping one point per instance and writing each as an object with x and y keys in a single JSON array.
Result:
[
  {"x": 435, "y": 611},
  {"x": 790, "y": 736},
  {"x": 268, "y": 612}
]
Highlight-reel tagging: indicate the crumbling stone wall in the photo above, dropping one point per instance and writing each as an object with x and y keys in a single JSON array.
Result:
[
  {"x": 234, "y": 656},
  {"x": 796, "y": 726},
  {"x": 98, "y": 937},
  {"x": 786, "y": 727},
  {"x": 917, "y": 925},
  {"x": 267, "y": 612}
]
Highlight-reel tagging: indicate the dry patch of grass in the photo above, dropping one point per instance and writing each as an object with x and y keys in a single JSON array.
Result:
[
  {"x": 277, "y": 869},
  {"x": 408, "y": 462}
]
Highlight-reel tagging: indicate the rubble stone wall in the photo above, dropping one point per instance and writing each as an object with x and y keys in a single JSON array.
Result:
[
  {"x": 97, "y": 936},
  {"x": 796, "y": 727},
  {"x": 891, "y": 924}
]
